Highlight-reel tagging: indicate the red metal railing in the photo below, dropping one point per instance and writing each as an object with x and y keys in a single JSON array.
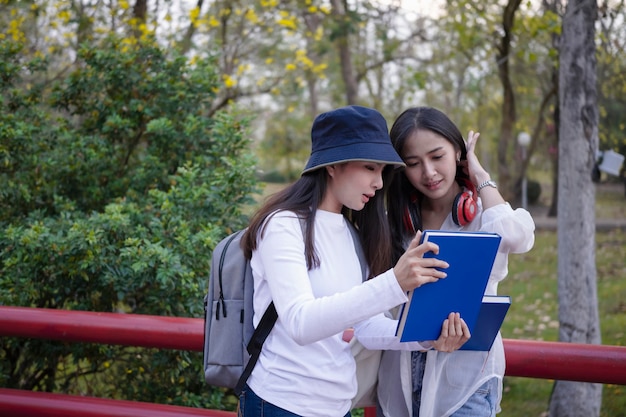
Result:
[
  {"x": 15, "y": 402},
  {"x": 525, "y": 358}
]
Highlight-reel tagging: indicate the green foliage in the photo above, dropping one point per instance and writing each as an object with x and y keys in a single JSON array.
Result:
[
  {"x": 286, "y": 146},
  {"x": 21, "y": 120},
  {"x": 119, "y": 185},
  {"x": 534, "y": 191}
]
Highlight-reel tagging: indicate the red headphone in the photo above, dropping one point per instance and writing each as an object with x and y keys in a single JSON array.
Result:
[
  {"x": 463, "y": 208},
  {"x": 410, "y": 215}
]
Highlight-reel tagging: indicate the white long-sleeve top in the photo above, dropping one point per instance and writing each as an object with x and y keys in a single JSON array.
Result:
[
  {"x": 451, "y": 378},
  {"x": 305, "y": 367}
]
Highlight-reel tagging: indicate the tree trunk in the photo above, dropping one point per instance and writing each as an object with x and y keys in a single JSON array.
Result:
[
  {"x": 553, "y": 210},
  {"x": 313, "y": 22},
  {"x": 140, "y": 10},
  {"x": 185, "y": 43},
  {"x": 508, "y": 101},
  {"x": 553, "y": 6},
  {"x": 578, "y": 141},
  {"x": 339, "y": 11}
]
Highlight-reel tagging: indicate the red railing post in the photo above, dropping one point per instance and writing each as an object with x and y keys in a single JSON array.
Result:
[{"x": 23, "y": 403}]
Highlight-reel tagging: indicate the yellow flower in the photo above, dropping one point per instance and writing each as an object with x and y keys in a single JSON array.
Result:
[
  {"x": 320, "y": 68},
  {"x": 15, "y": 29},
  {"x": 229, "y": 81},
  {"x": 290, "y": 67},
  {"x": 193, "y": 14},
  {"x": 319, "y": 32},
  {"x": 64, "y": 15},
  {"x": 242, "y": 68},
  {"x": 252, "y": 17},
  {"x": 287, "y": 23}
]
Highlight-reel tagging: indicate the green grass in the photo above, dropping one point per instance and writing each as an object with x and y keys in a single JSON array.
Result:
[{"x": 532, "y": 284}]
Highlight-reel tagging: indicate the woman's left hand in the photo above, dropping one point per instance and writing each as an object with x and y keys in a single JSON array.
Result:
[{"x": 473, "y": 168}]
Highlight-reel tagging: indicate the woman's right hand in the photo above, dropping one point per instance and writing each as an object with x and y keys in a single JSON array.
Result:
[
  {"x": 413, "y": 270},
  {"x": 454, "y": 333}
]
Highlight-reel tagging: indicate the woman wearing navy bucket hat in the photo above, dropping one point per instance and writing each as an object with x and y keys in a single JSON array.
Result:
[{"x": 304, "y": 259}]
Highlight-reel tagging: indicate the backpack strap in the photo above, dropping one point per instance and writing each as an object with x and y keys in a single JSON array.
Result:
[
  {"x": 270, "y": 316},
  {"x": 256, "y": 342},
  {"x": 219, "y": 275}
]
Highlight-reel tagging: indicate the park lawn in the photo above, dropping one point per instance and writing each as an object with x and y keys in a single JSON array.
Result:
[{"x": 532, "y": 285}]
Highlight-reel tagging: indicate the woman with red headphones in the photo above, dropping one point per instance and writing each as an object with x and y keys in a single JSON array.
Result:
[{"x": 445, "y": 187}]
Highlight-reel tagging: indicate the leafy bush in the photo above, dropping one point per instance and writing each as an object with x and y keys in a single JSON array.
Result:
[
  {"x": 119, "y": 186},
  {"x": 534, "y": 191}
]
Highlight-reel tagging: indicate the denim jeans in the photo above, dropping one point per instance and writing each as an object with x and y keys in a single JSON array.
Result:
[
  {"x": 482, "y": 403},
  {"x": 418, "y": 363},
  {"x": 251, "y": 405}
]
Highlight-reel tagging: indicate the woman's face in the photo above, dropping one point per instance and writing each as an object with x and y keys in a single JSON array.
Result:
[
  {"x": 351, "y": 184},
  {"x": 431, "y": 163}
]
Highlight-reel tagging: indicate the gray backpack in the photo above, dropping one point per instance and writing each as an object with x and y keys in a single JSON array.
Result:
[{"x": 231, "y": 343}]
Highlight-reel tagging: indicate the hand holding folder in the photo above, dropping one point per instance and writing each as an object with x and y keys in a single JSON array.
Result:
[
  {"x": 470, "y": 256},
  {"x": 414, "y": 268}
]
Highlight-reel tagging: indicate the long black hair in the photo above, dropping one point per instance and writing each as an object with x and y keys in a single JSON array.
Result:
[
  {"x": 303, "y": 197},
  {"x": 401, "y": 195}
]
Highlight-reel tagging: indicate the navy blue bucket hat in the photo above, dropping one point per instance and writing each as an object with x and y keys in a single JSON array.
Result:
[{"x": 352, "y": 133}]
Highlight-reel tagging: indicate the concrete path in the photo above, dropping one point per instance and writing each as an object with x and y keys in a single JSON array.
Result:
[{"x": 543, "y": 222}]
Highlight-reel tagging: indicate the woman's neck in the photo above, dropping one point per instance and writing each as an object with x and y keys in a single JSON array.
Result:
[{"x": 435, "y": 212}]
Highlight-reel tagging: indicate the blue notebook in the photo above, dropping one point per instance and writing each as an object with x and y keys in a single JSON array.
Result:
[
  {"x": 490, "y": 319},
  {"x": 470, "y": 256}
]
